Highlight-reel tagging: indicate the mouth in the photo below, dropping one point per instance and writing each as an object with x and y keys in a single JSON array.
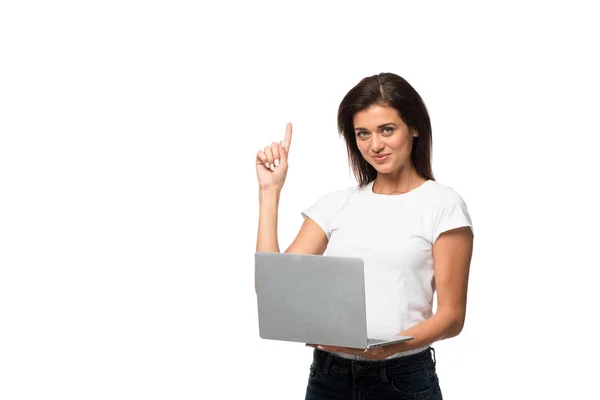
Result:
[{"x": 381, "y": 158}]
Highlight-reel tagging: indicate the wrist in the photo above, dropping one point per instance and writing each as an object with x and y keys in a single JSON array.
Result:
[
  {"x": 270, "y": 192},
  {"x": 267, "y": 196}
]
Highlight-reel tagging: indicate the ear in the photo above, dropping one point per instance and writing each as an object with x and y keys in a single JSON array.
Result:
[{"x": 415, "y": 133}]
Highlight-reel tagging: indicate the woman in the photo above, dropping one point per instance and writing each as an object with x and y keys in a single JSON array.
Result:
[{"x": 413, "y": 233}]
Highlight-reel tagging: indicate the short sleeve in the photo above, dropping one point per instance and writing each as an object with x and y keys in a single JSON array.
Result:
[
  {"x": 450, "y": 213},
  {"x": 325, "y": 208}
]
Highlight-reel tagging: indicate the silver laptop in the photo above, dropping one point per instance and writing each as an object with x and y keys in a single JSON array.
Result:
[{"x": 314, "y": 299}]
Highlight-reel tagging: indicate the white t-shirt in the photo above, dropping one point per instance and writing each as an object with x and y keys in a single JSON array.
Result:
[{"x": 394, "y": 235}]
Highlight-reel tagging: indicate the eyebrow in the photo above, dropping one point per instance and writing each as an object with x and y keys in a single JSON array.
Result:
[{"x": 379, "y": 127}]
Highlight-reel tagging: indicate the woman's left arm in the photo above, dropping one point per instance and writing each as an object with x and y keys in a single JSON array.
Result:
[{"x": 452, "y": 253}]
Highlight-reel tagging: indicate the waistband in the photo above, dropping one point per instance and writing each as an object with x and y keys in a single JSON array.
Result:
[{"x": 325, "y": 361}]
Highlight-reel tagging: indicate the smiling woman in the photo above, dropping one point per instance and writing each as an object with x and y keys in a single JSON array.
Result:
[
  {"x": 413, "y": 234},
  {"x": 388, "y": 142}
]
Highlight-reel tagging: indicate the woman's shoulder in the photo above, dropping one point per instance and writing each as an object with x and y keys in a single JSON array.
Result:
[
  {"x": 339, "y": 194},
  {"x": 444, "y": 193},
  {"x": 331, "y": 202}
]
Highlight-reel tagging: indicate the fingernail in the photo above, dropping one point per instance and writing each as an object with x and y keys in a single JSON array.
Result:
[
  {"x": 272, "y": 167},
  {"x": 277, "y": 163},
  {"x": 267, "y": 164}
]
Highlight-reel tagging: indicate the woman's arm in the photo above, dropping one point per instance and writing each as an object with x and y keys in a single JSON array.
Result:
[
  {"x": 452, "y": 253},
  {"x": 266, "y": 239},
  {"x": 271, "y": 170},
  {"x": 310, "y": 239}
]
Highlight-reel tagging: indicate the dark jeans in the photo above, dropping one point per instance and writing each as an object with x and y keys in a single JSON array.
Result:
[{"x": 409, "y": 377}]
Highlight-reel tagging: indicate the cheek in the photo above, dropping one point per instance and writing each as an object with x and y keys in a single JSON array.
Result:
[
  {"x": 401, "y": 145},
  {"x": 362, "y": 147}
]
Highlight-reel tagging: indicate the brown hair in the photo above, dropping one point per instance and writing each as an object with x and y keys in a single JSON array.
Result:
[{"x": 386, "y": 89}]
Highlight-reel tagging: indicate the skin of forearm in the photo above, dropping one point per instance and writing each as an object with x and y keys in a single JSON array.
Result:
[
  {"x": 443, "y": 325},
  {"x": 266, "y": 240}
]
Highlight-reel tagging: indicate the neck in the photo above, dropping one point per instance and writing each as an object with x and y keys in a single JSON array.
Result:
[{"x": 397, "y": 183}]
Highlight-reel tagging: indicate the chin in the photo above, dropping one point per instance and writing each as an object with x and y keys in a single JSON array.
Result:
[
  {"x": 387, "y": 169},
  {"x": 384, "y": 169}
]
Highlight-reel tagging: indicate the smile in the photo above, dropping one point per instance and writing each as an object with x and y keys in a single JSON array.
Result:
[{"x": 382, "y": 158}]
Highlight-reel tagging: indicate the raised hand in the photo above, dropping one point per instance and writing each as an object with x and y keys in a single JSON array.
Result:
[{"x": 272, "y": 162}]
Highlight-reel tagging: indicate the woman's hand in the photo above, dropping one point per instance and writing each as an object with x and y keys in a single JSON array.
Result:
[
  {"x": 272, "y": 163},
  {"x": 375, "y": 354}
]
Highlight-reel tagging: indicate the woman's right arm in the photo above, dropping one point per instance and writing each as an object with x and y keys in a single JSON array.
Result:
[
  {"x": 266, "y": 239},
  {"x": 310, "y": 239},
  {"x": 271, "y": 170}
]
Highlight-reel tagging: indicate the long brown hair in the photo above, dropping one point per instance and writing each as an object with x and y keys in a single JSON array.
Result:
[{"x": 386, "y": 89}]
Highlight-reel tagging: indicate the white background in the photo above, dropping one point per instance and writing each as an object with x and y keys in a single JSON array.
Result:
[{"x": 128, "y": 195}]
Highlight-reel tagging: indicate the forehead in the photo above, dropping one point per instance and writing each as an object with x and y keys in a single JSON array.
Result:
[{"x": 376, "y": 115}]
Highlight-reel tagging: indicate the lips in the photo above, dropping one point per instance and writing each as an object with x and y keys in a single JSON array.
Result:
[{"x": 380, "y": 158}]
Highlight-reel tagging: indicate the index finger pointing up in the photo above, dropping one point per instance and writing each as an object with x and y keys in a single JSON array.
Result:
[{"x": 288, "y": 136}]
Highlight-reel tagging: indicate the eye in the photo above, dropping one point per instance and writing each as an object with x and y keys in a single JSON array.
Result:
[
  {"x": 362, "y": 134},
  {"x": 388, "y": 130}
]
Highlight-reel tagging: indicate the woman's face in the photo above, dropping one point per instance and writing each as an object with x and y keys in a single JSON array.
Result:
[{"x": 383, "y": 139}]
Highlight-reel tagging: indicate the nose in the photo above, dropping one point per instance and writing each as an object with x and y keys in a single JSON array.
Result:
[{"x": 376, "y": 143}]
